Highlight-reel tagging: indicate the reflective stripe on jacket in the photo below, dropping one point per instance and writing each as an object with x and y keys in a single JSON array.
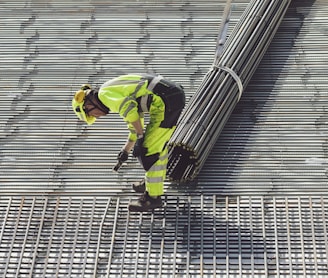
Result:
[{"x": 120, "y": 96}]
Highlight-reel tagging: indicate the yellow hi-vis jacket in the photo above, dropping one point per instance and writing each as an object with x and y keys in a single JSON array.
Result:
[{"x": 120, "y": 96}]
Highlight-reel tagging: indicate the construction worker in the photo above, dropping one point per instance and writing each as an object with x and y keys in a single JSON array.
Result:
[{"x": 131, "y": 96}]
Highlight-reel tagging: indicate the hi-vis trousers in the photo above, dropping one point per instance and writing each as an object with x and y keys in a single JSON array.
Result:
[
  {"x": 158, "y": 133},
  {"x": 154, "y": 157}
]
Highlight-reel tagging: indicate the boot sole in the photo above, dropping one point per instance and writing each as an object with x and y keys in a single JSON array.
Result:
[{"x": 133, "y": 208}]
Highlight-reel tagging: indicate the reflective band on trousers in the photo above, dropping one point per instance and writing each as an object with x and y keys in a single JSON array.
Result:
[
  {"x": 163, "y": 157},
  {"x": 156, "y": 168},
  {"x": 154, "y": 179},
  {"x": 155, "y": 176}
]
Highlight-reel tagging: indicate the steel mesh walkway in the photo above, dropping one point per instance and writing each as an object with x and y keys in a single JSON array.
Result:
[{"x": 194, "y": 236}]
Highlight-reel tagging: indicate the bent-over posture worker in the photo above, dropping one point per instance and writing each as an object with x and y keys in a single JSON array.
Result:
[{"x": 131, "y": 96}]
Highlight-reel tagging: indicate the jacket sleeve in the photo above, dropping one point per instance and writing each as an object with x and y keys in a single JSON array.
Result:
[
  {"x": 132, "y": 132},
  {"x": 129, "y": 110}
]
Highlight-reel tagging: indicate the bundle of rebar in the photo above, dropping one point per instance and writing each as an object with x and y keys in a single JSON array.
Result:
[{"x": 210, "y": 107}]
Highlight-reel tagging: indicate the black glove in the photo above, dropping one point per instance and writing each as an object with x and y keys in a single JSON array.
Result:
[
  {"x": 123, "y": 156},
  {"x": 138, "y": 148}
]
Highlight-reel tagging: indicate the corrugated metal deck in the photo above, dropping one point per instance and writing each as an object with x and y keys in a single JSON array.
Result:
[{"x": 257, "y": 209}]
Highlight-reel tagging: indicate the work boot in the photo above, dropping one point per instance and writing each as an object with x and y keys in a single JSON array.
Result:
[
  {"x": 139, "y": 187},
  {"x": 145, "y": 203}
]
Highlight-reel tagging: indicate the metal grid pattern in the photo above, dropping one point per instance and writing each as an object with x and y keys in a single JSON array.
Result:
[
  {"x": 49, "y": 49},
  {"x": 274, "y": 144},
  {"x": 194, "y": 236}
]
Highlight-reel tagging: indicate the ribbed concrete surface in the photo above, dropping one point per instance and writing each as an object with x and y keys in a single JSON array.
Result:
[{"x": 275, "y": 144}]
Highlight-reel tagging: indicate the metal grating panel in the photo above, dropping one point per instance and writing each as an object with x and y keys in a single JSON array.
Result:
[
  {"x": 194, "y": 236},
  {"x": 48, "y": 49}
]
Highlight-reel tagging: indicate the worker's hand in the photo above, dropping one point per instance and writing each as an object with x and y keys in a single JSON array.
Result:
[
  {"x": 122, "y": 156},
  {"x": 138, "y": 148}
]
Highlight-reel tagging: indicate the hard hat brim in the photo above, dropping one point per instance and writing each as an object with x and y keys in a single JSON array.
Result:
[{"x": 80, "y": 113}]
